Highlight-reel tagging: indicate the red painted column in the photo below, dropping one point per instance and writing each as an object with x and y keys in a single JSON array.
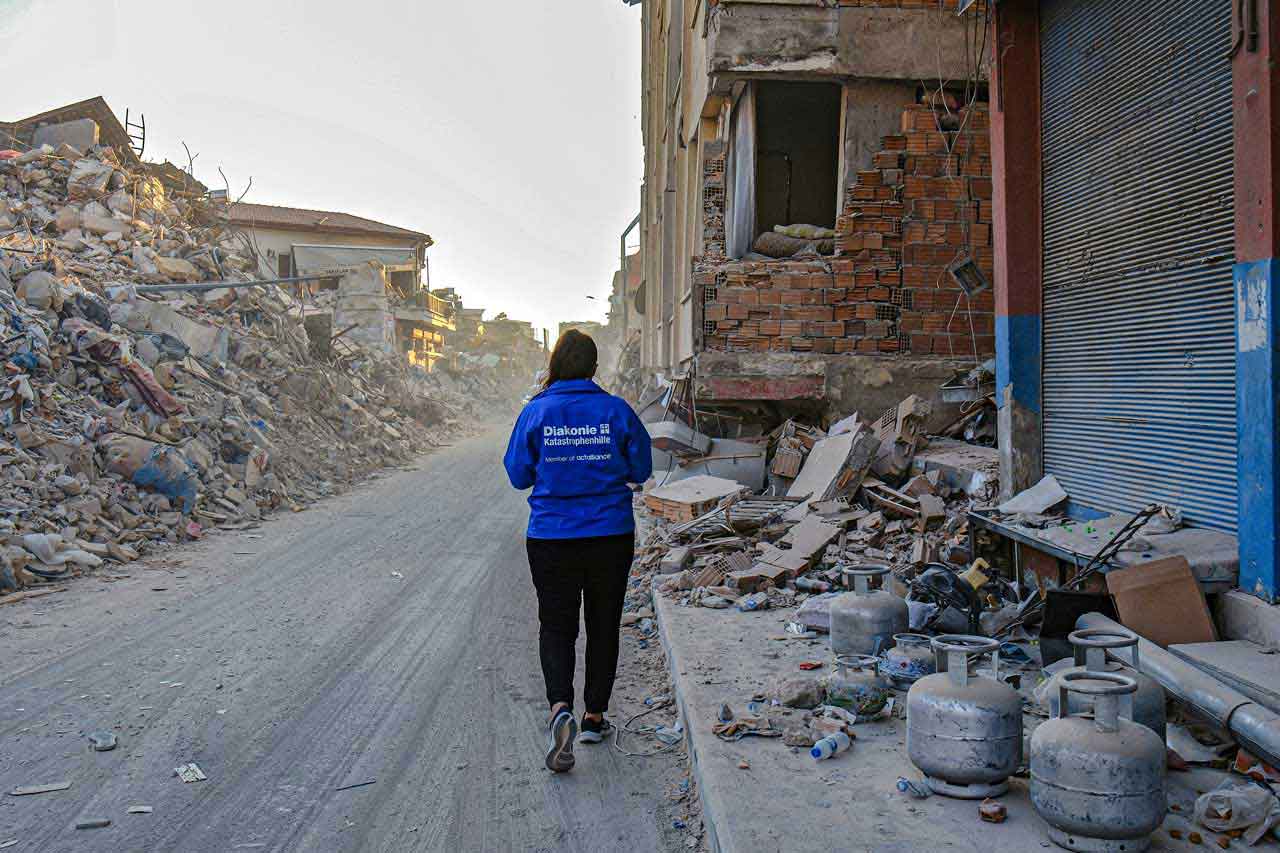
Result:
[
  {"x": 1256, "y": 95},
  {"x": 1016, "y": 197}
]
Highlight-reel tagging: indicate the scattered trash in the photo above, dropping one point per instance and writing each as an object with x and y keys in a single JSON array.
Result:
[
  {"x": 992, "y": 811},
  {"x": 810, "y": 664},
  {"x": 190, "y": 773},
  {"x": 357, "y": 785},
  {"x": 103, "y": 741},
  {"x": 29, "y": 790},
  {"x": 1234, "y": 806},
  {"x": 919, "y": 790},
  {"x": 830, "y": 745},
  {"x": 140, "y": 810},
  {"x": 94, "y": 823}
]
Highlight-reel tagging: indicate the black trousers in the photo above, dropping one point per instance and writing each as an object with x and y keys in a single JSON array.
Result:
[{"x": 588, "y": 574}]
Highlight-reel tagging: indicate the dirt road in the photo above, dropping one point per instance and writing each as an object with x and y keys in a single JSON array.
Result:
[{"x": 385, "y": 635}]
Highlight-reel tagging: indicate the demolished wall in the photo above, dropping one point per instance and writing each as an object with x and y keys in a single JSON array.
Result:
[{"x": 925, "y": 204}]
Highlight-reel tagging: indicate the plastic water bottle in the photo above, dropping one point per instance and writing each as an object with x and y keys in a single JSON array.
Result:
[{"x": 830, "y": 745}]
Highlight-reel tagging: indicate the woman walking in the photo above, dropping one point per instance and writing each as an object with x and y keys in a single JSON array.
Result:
[{"x": 578, "y": 448}]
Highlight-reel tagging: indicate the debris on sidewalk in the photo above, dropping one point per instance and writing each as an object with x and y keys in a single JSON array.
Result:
[
  {"x": 29, "y": 790},
  {"x": 190, "y": 772},
  {"x": 103, "y": 741}
]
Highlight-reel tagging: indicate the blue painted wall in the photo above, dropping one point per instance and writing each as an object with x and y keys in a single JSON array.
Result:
[
  {"x": 1018, "y": 342},
  {"x": 1257, "y": 427}
]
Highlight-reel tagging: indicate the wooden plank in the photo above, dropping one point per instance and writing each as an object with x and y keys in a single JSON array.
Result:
[{"x": 30, "y": 593}]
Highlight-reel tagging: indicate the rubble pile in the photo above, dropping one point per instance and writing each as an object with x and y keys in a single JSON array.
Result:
[
  {"x": 829, "y": 506},
  {"x": 133, "y": 418}
]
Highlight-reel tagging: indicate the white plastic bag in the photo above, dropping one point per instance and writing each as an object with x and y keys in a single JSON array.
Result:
[{"x": 1234, "y": 806}]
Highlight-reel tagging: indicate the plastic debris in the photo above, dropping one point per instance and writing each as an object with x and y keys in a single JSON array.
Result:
[{"x": 190, "y": 772}]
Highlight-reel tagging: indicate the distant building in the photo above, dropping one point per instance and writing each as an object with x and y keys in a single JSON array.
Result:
[
  {"x": 291, "y": 241},
  {"x": 588, "y": 327}
]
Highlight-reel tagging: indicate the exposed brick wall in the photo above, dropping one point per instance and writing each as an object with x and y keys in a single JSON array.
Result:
[
  {"x": 945, "y": 5},
  {"x": 926, "y": 202}
]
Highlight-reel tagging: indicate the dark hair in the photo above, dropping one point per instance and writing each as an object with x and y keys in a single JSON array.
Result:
[{"x": 573, "y": 358}]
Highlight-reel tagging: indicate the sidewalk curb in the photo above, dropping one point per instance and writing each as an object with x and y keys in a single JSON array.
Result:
[{"x": 710, "y": 801}]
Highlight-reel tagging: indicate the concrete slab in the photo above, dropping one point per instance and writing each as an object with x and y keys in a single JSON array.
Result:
[
  {"x": 960, "y": 465},
  {"x": 1242, "y": 616},
  {"x": 787, "y": 801}
]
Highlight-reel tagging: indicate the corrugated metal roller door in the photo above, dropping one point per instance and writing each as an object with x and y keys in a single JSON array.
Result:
[{"x": 1139, "y": 339}]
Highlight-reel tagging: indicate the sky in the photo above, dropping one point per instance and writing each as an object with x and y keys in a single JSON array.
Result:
[{"x": 509, "y": 131}]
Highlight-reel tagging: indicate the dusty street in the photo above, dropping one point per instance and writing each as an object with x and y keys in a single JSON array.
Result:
[{"x": 385, "y": 635}]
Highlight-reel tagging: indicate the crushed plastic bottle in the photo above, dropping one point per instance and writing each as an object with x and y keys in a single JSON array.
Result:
[{"x": 830, "y": 745}]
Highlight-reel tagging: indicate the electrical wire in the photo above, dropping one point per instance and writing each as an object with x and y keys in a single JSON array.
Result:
[{"x": 651, "y": 731}]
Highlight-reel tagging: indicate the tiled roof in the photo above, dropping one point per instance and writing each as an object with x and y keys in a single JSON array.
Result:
[{"x": 319, "y": 221}]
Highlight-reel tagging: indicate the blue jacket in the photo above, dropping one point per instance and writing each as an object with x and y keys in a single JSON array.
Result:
[{"x": 578, "y": 447}]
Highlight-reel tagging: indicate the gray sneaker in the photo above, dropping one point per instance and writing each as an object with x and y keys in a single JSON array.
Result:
[{"x": 563, "y": 730}]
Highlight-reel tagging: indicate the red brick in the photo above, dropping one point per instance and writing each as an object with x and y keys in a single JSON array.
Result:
[
  {"x": 771, "y": 327},
  {"x": 806, "y": 312},
  {"x": 737, "y": 312},
  {"x": 715, "y": 311}
]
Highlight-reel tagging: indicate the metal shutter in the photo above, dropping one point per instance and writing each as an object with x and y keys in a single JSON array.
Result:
[{"x": 1139, "y": 335}]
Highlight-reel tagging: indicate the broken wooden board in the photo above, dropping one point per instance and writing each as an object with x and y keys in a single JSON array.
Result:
[
  {"x": 1162, "y": 601},
  {"x": 685, "y": 500},
  {"x": 833, "y": 460},
  {"x": 1252, "y": 669},
  {"x": 810, "y": 537},
  {"x": 30, "y": 593}
]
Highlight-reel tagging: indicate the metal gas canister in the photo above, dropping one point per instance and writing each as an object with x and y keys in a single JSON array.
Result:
[
  {"x": 864, "y": 621},
  {"x": 964, "y": 732},
  {"x": 1091, "y": 655},
  {"x": 908, "y": 660},
  {"x": 855, "y": 685},
  {"x": 1099, "y": 783}
]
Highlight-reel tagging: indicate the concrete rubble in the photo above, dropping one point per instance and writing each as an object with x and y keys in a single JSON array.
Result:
[
  {"x": 131, "y": 420},
  {"x": 743, "y": 582}
]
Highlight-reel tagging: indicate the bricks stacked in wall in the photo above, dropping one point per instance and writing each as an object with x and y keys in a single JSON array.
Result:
[
  {"x": 951, "y": 6},
  {"x": 708, "y": 268},
  {"x": 925, "y": 204},
  {"x": 925, "y": 201}
]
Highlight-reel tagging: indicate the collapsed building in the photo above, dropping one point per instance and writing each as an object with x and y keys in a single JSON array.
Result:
[
  {"x": 403, "y": 317},
  {"x": 816, "y": 222},
  {"x": 157, "y": 387},
  {"x": 1066, "y": 225}
]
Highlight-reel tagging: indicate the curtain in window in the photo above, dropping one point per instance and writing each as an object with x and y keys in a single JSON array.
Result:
[{"x": 740, "y": 196}]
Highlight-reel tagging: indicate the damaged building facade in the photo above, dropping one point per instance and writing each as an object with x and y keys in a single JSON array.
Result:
[
  {"x": 391, "y": 308},
  {"x": 808, "y": 200},
  {"x": 1136, "y": 234}
]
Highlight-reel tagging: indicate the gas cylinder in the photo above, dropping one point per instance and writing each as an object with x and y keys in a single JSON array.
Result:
[
  {"x": 964, "y": 732},
  {"x": 864, "y": 621},
  {"x": 855, "y": 685},
  {"x": 1091, "y": 648},
  {"x": 909, "y": 659},
  {"x": 1098, "y": 783}
]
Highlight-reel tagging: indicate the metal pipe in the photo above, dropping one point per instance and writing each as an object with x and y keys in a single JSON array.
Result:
[
  {"x": 1254, "y": 726},
  {"x": 219, "y": 285}
]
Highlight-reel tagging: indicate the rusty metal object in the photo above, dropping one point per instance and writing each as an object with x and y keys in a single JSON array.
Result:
[
  {"x": 909, "y": 660},
  {"x": 1099, "y": 783},
  {"x": 864, "y": 621},
  {"x": 1255, "y": 726},
  {"x": 856, "y": 686},
  {"x": 1091, "y": 654},
  {"x": 964, "y": 732}
]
